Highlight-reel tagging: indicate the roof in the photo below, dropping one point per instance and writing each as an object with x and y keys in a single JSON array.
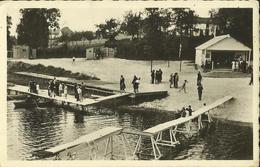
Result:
[{"x": 223, "y": 42}]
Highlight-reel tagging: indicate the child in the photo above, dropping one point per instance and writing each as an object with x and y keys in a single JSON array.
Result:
[{"x": 183, "y": 86}]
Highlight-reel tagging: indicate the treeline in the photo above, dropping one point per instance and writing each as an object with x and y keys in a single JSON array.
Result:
[{"x": 168, "y": 50}]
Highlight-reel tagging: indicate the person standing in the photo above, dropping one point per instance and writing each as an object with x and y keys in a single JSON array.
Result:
[
  {"x": 134, "y": 83},
  {"x": 65, "y": 91},
  {"x": 122, "y": 84},
  {"x": 79, "y": 90},
  {"x": 60, "y": 89},
  {"x": 37, "y": 88},
  {"x": 200, "y": 88},
  {"x": 137, "y": 83},
  {"x": 160, "y": 75},
  {"x": 73, "y": 60},
  {"x": 176, "y": 80},
  {"x": 83, "y": 90},
  {"x": 199, "y": 78},
  {"x": 251, "y": 78},
  {"x": 152, "y": 76},
  {"x": 171, "y": 80},
  {"x": 76, "y": 91}
]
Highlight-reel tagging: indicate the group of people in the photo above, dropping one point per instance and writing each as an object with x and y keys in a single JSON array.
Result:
[
  {"x": 79, "y": 92},
  {"x": 55, "y": 88},
  {"x": 156, "y": 76},
  {"x": 185, "y": 112},
  {"x": 174, "y": 79},
  {"x": 34, "y": 87}
]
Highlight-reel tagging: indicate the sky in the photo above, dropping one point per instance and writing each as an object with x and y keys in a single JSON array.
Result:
[{"x": 82, "y": 19}]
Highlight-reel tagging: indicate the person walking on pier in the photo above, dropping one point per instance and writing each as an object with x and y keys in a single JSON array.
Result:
[
  {"x": 134, "y": 83},
  {"x": 122, "y": 84},
  {"x": 189, "y": 110},
  {"x": 183, "y": 86},
  {"x": 37, "y": 88},
  {"x": 79, "y": 94},
  {"x": 200, "y": 88},
  {"x": 137, "y": 83},
  {"x": 65, "y": 91},
  {"x": 76, "y": 92},
  {"x": 199, "y": 78},
  {"x": 60, "y": 89},
  {"x": 83, "y": 90}
]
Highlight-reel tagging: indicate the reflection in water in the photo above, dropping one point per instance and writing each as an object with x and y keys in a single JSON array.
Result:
[{"x": 31, "y": 130}]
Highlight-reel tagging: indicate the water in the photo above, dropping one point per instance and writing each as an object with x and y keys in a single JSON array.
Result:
[{"x": 32, "y": 130}]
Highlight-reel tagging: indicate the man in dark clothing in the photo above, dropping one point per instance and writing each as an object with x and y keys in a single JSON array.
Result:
[
  {"x": 57, "y": 85},
  {"x": 190, "y": 110},
  {"x": 200, "y": 88},
  {"x": 160, "y": 75},
  {"x": 83, "y": 90},
  {"x": 134, "y": 83},
  {"x": 152, "y": 76},
  {"x": 251, "y": 78},
  {"x": 122, "y": 84},
  {"x": 199, "y": 78}
]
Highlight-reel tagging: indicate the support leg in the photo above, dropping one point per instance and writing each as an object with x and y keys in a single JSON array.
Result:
[{"x": 137, "y": 147}]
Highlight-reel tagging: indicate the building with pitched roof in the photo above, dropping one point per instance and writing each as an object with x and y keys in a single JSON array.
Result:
[{"x": 220, "y": 51}]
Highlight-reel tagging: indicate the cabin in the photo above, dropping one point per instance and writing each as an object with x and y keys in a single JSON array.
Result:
[
  {"x": 221, "y": 52},
  {"x": 23, "y": 52}
]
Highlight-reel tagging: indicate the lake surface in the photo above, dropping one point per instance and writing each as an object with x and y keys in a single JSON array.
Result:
[{"x": 32, "y": 130}]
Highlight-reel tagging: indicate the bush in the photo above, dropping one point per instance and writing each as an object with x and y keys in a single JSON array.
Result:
[{"x": 49, "y": 70}]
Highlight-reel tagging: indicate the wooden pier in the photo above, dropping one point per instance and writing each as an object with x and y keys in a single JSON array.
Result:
[
  {"x": 90, "y": 140},
  {"x": 69, "y": 100},
  {"x": 173, "y": 127}
]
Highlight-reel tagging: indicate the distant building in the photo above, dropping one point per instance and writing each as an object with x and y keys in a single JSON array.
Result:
[
  {"x": 99, "y": 53},
  {"x": 204, "y": 25},
  {"x": 221, "y": 51},
  {"x": 23, "y": 52},
  {"x": 53, "y": 37}
]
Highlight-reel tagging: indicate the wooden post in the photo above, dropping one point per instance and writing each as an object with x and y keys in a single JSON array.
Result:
[{"x": 137, "y": 147}]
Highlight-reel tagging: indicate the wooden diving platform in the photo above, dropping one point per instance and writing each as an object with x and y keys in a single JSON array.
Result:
[
  {"x": 155, "y": 133},
  {"x": 91, "y": 140},
  {"x": 164, "y": 126}
]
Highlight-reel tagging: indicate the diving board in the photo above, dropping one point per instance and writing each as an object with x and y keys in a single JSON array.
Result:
[
  {"x": 155, "y": 133},
  {"x": 164, "y": 126},
  {"x": 89, "y": 138}
]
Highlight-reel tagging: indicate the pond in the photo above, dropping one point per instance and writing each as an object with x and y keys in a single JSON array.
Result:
[{"x": 31, "y": 131}]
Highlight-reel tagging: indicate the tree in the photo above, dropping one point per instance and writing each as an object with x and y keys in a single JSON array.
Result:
[
  {"x": 109, "y": 30},
  {"x": 131, "y": 24},
  {"x": 184, "y": 21},
  {"x": 35, "y": 25},
  {"x": 236, "y": 22},
  {"x": 8, "y": 26}
]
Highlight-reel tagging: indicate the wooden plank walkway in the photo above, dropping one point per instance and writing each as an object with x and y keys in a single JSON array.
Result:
[
  {"x": 96, "y": 136},
  {"x": 161, "y": 127},
  {"x": 70, "y": 99}
]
